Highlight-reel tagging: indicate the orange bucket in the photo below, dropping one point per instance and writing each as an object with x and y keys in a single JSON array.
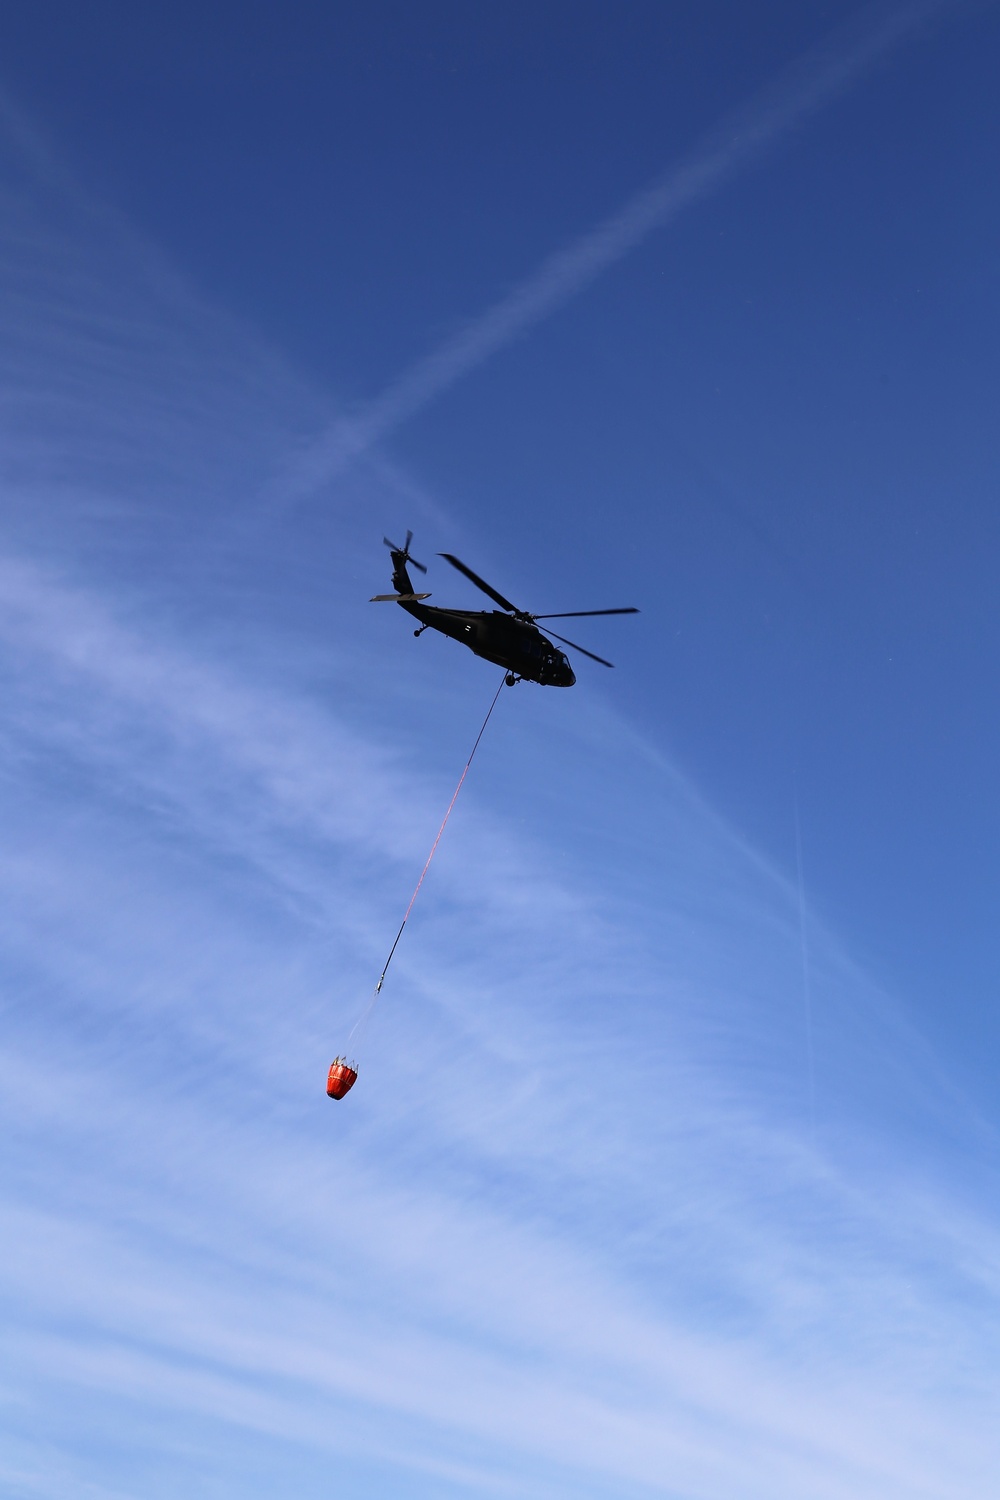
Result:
[{"x": 340, "y": 1078}]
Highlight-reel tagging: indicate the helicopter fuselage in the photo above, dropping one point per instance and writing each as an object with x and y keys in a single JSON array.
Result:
[
  {"x": 515, "y": 644},
  {"x": 520, "y": 647}
]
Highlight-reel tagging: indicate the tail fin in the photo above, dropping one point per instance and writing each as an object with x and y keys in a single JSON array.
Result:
[
  {"x": 400, "y": 557},
  {"x": 400, "y": 577}
]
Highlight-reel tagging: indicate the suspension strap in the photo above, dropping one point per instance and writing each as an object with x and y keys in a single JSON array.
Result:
[{"x": 444, "y": 824}]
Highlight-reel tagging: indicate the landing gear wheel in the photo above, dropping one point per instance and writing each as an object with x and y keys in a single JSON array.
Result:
[{"x": 510, "y": 679}]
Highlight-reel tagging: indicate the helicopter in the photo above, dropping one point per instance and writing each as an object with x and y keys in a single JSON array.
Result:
[{"x": 507, "y": 636}]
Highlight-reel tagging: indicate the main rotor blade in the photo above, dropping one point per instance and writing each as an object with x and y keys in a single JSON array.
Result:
[
  {"x": 575, "y": 614},
  {"x": 583, "y": 649},
  {"x": 480, "y": 583}
]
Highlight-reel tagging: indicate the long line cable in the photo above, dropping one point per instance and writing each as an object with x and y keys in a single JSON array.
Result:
[{"x": 358, "y": 1028}]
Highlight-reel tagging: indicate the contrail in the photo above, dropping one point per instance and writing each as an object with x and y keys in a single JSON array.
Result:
[
  {"x": 814, "y": 81},
  {"x": 806, "y": 973}
]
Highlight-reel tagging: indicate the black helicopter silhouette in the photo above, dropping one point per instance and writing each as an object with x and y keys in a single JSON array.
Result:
[{"x": 512, "y": 640}]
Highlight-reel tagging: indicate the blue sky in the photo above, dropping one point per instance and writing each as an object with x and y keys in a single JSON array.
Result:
[{"x": 671, "y": 1168}]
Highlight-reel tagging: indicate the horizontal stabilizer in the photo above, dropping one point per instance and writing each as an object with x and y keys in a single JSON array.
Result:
[{"x": 396, "y": 598}]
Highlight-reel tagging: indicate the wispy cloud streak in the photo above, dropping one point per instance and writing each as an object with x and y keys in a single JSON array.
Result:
[
  {"x": 243, "y": 1293},
  {"x": 815, "y": 81},
  {"x": 569, "y": 1237}
]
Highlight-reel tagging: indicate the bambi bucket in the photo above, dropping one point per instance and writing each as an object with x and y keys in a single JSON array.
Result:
[{"x": 340, "y": 1078}]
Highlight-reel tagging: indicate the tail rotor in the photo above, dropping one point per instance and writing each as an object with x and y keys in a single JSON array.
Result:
[{"x": 404, "y": 551}]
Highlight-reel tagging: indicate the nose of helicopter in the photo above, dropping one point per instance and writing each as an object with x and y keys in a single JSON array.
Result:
[{"x": 562, "y": 673}]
